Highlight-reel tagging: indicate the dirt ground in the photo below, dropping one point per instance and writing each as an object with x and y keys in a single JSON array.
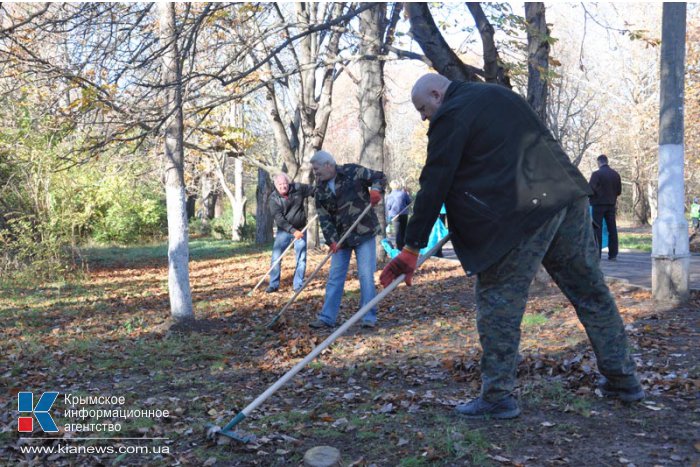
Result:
[{"x": 383, "y": 397}]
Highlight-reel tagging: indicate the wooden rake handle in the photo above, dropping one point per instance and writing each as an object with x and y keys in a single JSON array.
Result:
[
  {"x": 318, "y": 268},
  {"x": 289, "y": 247},
  {"x": 329, "y": 340}
]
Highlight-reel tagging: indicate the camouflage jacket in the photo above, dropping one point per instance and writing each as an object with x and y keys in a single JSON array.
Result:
[{"x": 338, "y": 211}]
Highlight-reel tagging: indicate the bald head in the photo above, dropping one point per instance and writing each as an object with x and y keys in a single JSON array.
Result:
[{"x": 428, "y": 93}]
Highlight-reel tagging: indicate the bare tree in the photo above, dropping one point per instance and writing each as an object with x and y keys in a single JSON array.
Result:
[{"x": 573, "y": 116}]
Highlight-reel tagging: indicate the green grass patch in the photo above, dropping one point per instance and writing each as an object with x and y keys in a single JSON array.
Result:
[
  {"x": 200, "y": 249},
  {"x": 554, "y": 393},
  {"x": 634, "y": 241},
  {"x": 414, "y": 461},
  {"x": 460, "y": 444},
  {"x": 534, "y": 320}
]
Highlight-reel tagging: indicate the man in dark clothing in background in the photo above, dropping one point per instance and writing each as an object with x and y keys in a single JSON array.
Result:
[
  {"x": 514, "y": 201},
  {"x": 287, "y": 208},
  {"x": 607, "y": 186}
]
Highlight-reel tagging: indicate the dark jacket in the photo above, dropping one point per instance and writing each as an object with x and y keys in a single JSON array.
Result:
[
  {"x": 289, "y": 212},
  {"x": 337, "y": 212},
  {"x": 498, "y": 170},
  {"x": 396, "y": 203},
  {"x": 606, "y": 186}
]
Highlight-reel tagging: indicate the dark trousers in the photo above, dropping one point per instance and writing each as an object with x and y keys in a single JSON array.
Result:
[
  {"x": 399, "y": 226},
  {"x": 607, "y": 212},
  {"x": 564, "y": 246}
]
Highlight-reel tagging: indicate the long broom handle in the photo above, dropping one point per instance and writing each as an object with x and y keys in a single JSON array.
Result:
[
  {"x": 329, "y": 340},
  {"x": 318, "y": 268},
  {"x": 291, "y": 244}
]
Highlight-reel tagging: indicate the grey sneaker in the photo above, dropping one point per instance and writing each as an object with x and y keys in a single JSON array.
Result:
[
  {"x": 318, "y": 324},
  {"x": 633, "y": 394},
  {"x": 479, "y": 409}
]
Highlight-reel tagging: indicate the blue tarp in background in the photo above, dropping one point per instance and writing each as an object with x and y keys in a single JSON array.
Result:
[
  {"x": 605, "y": 231},
  {"x": 439, "y": 231}
]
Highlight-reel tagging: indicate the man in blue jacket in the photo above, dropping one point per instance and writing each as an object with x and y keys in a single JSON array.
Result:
[
  {"x": 514, "y": 201},
  {"x": 397, "y": 203}
]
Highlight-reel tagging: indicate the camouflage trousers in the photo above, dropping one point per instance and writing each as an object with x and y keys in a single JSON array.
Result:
[{"x": 565, "y": 246}]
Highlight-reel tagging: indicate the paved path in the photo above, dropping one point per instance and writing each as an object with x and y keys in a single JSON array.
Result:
[{"x": 631, "y": 266}]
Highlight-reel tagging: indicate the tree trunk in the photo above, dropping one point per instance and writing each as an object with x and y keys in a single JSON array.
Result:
[
  {"x": 208, "y": 196},
  {"x": 537, "y": 64},
  {"x": 370, "y": 95},
  {"x": 538, "y": 57},
  {"x": 238, "y": 202},
  {"x": 178, "y": 248},
  {"x": 670, "y": 248},
  {"x": 640, "y": 204},
  {"x": 238, "y": 205},
  {"x": 219, "y": 207},
  {"x": 263, "y": 219},
  {"x": 494, "y": 72},
  {"x": 191, "y": 204},
  {"x": 426, "y": 33}
]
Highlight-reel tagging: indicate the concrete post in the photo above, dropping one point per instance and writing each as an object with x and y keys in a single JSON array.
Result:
[{"x": 670, "y": 249}]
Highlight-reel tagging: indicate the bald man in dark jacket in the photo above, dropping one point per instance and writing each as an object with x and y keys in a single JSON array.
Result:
[{"x": 514, "y": 201}]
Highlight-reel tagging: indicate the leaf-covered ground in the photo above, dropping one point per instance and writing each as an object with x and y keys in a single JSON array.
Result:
[{"x": 382, "y": 397}]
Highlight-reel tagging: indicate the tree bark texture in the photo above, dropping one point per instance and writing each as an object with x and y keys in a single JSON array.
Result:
[
  {"x": 538, "y": 57},
  {"x": 426, "y": 33},
  {"x": 370, "y": 95},
  {"x": 494, "y": 72},
  {"x": 263, "y": 219},
  {"x": 178, "y": 248}
]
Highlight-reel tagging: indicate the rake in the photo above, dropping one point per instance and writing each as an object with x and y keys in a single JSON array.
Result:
[
  {"x": 291, "y": 244},
  {"x": 318, "y": 268},
  {"x": 227, "y": 430}
]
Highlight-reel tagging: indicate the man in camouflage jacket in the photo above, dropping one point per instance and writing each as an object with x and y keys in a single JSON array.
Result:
[
  {"x": 342, "y": 194},
  {"x": 514, "y": 201}
]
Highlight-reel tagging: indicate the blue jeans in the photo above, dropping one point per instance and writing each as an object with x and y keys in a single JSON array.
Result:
[
  {"x": 282, "y": 240},
  {"x": 366, "y": 256}
]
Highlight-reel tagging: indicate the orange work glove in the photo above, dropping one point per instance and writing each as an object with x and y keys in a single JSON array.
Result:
[
  {"x": 404, "y": 263},
  {"x": 374, "y": 197},
  {"x": 298, "y": 234},
  {"x": 334, "y": 247}
]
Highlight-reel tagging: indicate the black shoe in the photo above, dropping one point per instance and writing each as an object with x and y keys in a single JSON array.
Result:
[
  {"x": 614, "y": 258},
  {"x": 270, "y": 290},
  {"x": 318, "y": 324},
  {"x": 633, "y": 394},
  {"x": 368, "y": 325},
  {"x": 479, "y": 409}
]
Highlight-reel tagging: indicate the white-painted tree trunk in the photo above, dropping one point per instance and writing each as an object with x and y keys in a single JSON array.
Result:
[
  {"x": 239, "y": 200},
  {"x": 178, "y": 247},
  {"x": 670, "y": 249}
]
